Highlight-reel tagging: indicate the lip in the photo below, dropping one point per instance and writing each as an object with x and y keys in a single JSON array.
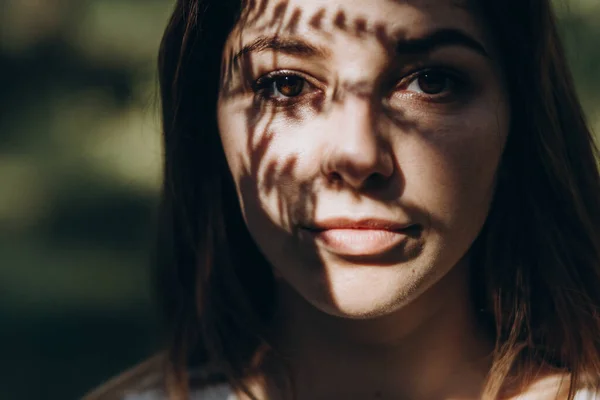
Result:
[{"x": 361, "y": 238}]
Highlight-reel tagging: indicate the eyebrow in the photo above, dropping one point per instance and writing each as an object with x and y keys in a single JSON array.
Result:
[
  {"x": 416, "y": 46},
  {"x": 439, "y": 38},
  {"x": 291, "y": 46}
]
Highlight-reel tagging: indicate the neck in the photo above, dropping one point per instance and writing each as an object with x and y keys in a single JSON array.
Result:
[{"x": 433, "y": 348}]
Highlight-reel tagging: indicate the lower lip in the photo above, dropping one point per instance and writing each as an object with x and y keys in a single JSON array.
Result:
[{"x": 359, "y": 242}]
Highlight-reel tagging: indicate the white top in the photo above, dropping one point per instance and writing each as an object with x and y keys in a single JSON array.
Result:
[
  {"x": 224, "y": 392},
  {"x": 587, "y": 395},
  {"x": 220, "y": 392}
]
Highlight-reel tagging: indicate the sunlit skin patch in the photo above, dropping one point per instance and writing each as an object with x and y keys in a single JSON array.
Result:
[{"x": 395, "y": 111}]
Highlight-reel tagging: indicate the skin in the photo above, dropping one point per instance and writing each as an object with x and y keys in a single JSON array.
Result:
[{"x": 363, "y": 140}]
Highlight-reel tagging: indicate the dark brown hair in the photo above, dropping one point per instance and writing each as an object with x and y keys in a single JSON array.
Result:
[{"x": 539, "y": 250}]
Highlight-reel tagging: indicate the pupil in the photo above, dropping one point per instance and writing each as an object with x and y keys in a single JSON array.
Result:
[
  {"x": 289, "y": 86},
  {"x": 433, "y": 83}
]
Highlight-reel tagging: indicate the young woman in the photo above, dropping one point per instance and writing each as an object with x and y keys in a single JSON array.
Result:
[{"x": 382, "y": 199}]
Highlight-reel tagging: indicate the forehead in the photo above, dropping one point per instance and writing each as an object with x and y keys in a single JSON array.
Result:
[{"x": 361, "y": 18}]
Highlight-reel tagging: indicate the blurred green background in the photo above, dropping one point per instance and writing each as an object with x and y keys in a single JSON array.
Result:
[{"x": 79, "y": 173}]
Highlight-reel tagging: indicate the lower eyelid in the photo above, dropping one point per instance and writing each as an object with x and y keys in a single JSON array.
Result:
[{"x": 458, "y": 95}]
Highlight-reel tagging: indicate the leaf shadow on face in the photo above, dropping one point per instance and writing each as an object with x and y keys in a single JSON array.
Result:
[{"x": 261, "y": 175}]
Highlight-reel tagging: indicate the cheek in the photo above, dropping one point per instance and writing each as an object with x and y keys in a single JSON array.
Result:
[
  {"x": 233, "y": 138},
  {"x": 450, "y": 166},
  {"x": 268, "y": 161}
]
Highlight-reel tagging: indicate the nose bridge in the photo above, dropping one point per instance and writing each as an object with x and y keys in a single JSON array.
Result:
[
  {"x": 358, "y": 150},
  {"x": 358, "y": 123}
]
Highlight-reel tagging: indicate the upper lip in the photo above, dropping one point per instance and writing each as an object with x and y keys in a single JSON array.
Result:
[{"x": 364, "y": 223}]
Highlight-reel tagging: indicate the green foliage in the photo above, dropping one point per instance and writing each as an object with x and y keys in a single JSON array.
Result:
[{"x": 80, "y": 166}]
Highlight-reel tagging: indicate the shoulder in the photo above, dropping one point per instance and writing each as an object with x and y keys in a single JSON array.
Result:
[
  {"x": 556, "y": 387},
  {"x": 144, "y": 377},
  {"x": 218, "y": 392},
  {"x": 145, "y": 381},
  {"x": 587, "y": 394}
]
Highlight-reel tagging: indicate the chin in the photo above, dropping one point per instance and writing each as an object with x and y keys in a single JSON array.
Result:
[
  {"x": 361, "y": 288},
  {"x": 365, "y": 292},
  {"x": 358, "y": 310}
]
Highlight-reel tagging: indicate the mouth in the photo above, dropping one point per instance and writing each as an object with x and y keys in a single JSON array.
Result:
[{"x": 364, "y": 238}]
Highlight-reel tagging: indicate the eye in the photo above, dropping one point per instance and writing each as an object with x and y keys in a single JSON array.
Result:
[
  {"x": 433, "y": 82},
  {"x": 288, "y": 85},
  {"x": 281, "y": 85},
  {"x": 432, "y": 85}
]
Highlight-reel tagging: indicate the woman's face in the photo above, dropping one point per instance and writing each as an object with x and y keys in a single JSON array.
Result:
[{"x": 363, "y": 137}]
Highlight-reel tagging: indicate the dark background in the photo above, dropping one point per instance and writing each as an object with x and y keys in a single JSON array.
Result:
[{"x": 79, "y": 175}]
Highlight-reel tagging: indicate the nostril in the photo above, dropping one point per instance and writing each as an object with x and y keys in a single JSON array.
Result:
[
  {"x": 376, "y": 181},
  {"x": 335, "y": 177}
]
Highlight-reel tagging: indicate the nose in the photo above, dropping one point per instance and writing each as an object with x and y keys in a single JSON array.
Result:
[{"x": 358, "y": 155}]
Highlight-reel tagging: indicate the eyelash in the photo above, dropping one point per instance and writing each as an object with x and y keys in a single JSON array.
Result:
[
  {"x": 263, "y": 86},
  {"x": 458, "y": 89},
  {"x": 458, "y": 82}
]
